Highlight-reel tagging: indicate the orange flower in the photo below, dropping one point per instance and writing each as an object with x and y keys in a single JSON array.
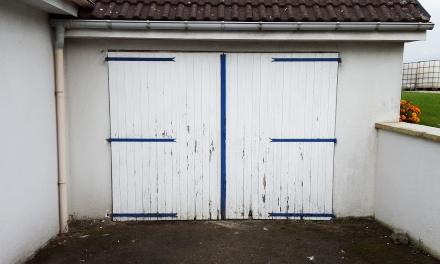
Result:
[{"x": 408, "y": 112}]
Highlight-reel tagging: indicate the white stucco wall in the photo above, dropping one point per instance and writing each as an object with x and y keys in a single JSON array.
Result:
[
  {"x": 407, "y": 186},
  {"x": 368, "y": 92},
  {"x": 28, "y": 161}
]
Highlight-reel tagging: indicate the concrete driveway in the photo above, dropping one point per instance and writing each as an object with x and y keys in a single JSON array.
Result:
[{"x": 283, "y": 241}]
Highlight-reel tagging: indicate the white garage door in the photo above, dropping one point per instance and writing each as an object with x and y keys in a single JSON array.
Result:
[
  {"x": 209, "y": 135},
  {"x": 280, "y": 135},
  {"x": 165, "y": 115}
]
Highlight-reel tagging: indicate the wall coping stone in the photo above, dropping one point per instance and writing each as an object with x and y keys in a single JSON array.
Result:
[{"x": 427, "y": 132}]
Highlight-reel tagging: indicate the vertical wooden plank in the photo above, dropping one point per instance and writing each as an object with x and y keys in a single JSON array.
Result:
[
  {"x": 122, "y": 134},
  {"x": 294, "y": 153},
  {"x": 204, "y": 144},
  {"x": 137, "y": 133},
  {"x": 159, "y": 129},
  {"x": 128, "y": 67},
  {"x": 301, "y": 133},
  {"x": 196, "y": 146},
  {"x": 323, "y": 128},
  {"x": 277, "y": 118},
  {"x": 214, "y": 137},
  {"x": 239, "y": 144},
  {"x": 247, "y": 135},
  {"x": 145, "y": 133},
  {"x": 324, "y": 104},
  {"x": 175, "y": 129},
  {"x": 255, "y": 136},
  {"x": 315, "y": 133},
  {"x": 263, "y": 136},
  {"x": 152, "y": 103},
  {"x": 285, "y": 133},
  {"x": 272, "y": 76},
  {"x": 231, "y": 106},
  {"x": 168, "y": 177},
  {"x": 331, "y": 117},
  {"x": 183, "y": 137},
  {"x": 190, "y": 139},
  {"x": 307, "y": 199}
]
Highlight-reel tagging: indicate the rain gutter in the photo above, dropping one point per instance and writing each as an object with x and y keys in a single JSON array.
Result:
[{"x": 241, "y": 26}]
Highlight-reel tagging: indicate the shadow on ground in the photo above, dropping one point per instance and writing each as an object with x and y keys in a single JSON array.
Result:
[{"x": 336, "y": 241}]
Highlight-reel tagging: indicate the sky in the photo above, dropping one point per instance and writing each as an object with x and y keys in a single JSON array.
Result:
[{"x": 429, "y": 49}]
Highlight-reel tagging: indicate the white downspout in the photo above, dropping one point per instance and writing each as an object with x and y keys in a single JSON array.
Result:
[{"x": 61, "y": 128}]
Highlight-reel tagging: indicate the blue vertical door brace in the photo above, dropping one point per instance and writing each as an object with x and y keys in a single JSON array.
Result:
[{"x": 223, "y": 135}]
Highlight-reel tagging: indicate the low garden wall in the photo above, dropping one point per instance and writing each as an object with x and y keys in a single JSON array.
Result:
[{"x": 407, "y": 187}]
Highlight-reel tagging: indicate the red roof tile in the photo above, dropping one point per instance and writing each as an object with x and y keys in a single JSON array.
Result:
[{"x": 259, "y": 10}]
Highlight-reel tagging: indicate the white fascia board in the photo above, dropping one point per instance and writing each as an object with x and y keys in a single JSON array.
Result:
[
  {"x": 294, "y": 36},
  {"x": 62, "y": 7}
]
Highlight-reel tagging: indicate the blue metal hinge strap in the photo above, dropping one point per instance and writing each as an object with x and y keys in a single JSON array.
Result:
[
  {"x": 334, "y": 140},
  {"x": 141, "y": 139},
  {"x": 300, "y": 215},
  {"x": 146, "y": 215},
  {"x": 304, "y": 59},
  {"x": 137, "y": 59}
]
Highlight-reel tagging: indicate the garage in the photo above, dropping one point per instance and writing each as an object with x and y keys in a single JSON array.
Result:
[
  {"x": 227, "y": 109},
  {"x": 206, "y": 135}
]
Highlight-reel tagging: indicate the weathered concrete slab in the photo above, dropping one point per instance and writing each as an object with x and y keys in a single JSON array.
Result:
[{"x": 336, "y": 241}]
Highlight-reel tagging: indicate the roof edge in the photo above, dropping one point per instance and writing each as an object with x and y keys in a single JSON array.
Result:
[
  {"x": 423, "y": 9},
  {"x": 241, "y": 26}
]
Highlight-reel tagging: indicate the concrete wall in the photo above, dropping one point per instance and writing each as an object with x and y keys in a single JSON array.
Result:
[
  {"x": 368, "y": 92},
  {"x": 28, "y": 161},
  {"x": 407, "y": 186}
]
